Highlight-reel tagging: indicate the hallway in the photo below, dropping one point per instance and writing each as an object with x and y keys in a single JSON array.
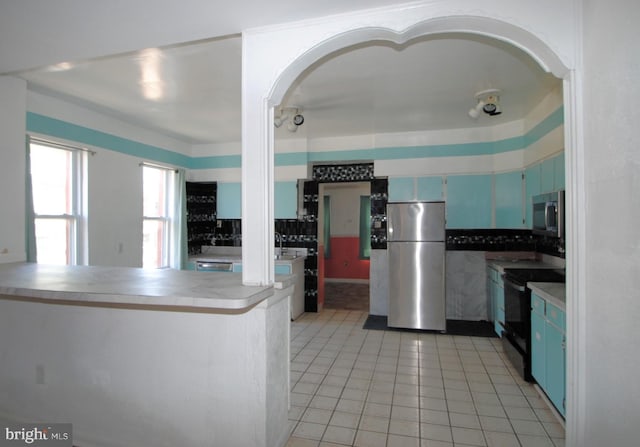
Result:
[{"x": 346, "y": 296}]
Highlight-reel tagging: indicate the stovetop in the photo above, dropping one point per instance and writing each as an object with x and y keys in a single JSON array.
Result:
[{"x": 523, "y": 276}]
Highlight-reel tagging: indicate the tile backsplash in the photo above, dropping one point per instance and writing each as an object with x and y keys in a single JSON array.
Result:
[{"x": 503, "y": 240}]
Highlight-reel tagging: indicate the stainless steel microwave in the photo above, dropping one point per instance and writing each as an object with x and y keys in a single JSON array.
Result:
[{"x": 548, "y": 214}]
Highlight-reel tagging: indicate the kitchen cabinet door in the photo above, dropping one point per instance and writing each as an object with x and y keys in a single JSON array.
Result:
[
  {"x": 285, "y": 197},
  {"x": 500, "y": 302},
  {"x": 509, "y": 206},
  {"x": 429, "y": 188},
  {"x": 401, "y": 189},
  {"x": 532, "y": 188},
  {"x": 282, "y": 269},
  {"x": 498, "y": 313},
  {"x": 538, "y": 348},
  {"x": 491, "y": 314},
  {"x": 495, "y": 290},
  {"x": 229, "y": 201},
  {"x": 547, "y": 175},
  {"x": 558, "y": 169},
  {"x": 555, "y": 363},
  {"x": 469, "y": 201}
]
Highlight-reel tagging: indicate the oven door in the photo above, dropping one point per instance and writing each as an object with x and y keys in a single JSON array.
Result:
[{"x": 517, "y": 312}]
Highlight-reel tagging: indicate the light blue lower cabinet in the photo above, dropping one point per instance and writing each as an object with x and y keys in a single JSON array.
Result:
[
  {"x": 538, "y": 351},
  {"x": 280, "y": 269},
  {"x": 495, "y": 290},
  {"x": 498, "y": 325},
  {"x": 555, "y": 366},
  {"x": 548, "y": 354},
  {"x": 500, "y": 303},
  {"x": 283, "y": 269}
]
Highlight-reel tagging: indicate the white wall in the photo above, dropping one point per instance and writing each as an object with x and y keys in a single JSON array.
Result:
[
  {"x": 12, "y": 169},
  {"x": 115, "y": 209},
  {"x": 82, "y": 116},
  {"x": 345, "y": 207},
  {"x": 610, "y": 200},
  {"x": 147, "y": 377},
  {"x": 612, "y": 210},
  {"x": 547, "y": 146},
  {"x": 114, "y": 180}
]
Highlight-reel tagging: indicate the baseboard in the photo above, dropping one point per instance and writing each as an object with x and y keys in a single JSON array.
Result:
[{"x": 552, "y": 407}]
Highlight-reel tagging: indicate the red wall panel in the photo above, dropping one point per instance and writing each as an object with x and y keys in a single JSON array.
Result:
[{"x": 345, "y": 262}]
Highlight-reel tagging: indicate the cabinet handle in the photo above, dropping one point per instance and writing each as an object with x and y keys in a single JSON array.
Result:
[{"x": 564, "y": 344}]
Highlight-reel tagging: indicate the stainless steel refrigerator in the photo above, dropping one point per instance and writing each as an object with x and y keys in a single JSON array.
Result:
[{"x": 416, "y": 249}]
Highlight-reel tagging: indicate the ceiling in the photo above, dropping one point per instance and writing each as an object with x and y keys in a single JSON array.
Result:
[{"x": 191, "y": 91}]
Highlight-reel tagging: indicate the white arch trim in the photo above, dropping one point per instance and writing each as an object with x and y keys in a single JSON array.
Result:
[
  {"x": 274, "y": 58},
  {"x": 473, "y": 25}
]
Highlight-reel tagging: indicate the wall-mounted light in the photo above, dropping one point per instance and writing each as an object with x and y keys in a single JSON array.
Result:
[
  {"x": 474, "y": 112},
  {"x": 291, "y": 116},
  {"x": 488, "y": 102}
]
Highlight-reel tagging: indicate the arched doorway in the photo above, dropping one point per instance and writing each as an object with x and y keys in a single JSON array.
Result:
[{"x": 321, "y": 39}]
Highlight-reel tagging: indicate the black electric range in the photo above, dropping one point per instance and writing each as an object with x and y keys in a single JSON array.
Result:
[{"x": 517, "y": 309}]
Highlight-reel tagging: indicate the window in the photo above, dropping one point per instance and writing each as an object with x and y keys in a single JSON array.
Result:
[
  {"x": 56, "y": 176},
  {"x": 158, "y": 193}
]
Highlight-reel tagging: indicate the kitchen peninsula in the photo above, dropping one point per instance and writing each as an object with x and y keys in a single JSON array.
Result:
[{"x": 145, "y": 357}]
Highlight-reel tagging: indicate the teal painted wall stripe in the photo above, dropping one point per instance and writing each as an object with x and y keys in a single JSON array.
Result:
[
  {"x": 291, "y": 159},
  {"x": 84, "y": 135},
  {"x": 57, "y": 128},
  {"x": 551, "y": 122},
  {"x": 217, "y": 162}
]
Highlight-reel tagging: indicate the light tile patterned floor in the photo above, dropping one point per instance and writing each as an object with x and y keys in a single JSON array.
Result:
[{"x": 364, "y": 388}]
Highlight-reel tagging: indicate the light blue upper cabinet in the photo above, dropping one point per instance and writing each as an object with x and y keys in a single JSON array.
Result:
[
  {"x": 532, "y": 188},
  {"x": 509, "y": 200},
  {"x": 469, "y": 201},
  {"x": 558, "y": 169},
  {"x": 229, "y": 201},
  {"x": 285, "y": 200},
  {"x": 401, "y": 189},
  {"x": 543, "y": 177},
  {"x": 429, "y": 188},
  {"x": 547, "y": 175}
]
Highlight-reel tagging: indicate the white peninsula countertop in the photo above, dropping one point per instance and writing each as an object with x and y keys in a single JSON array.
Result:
[
  {"x": 134, "y": 287},
  {"x": 199, "y": 358}
]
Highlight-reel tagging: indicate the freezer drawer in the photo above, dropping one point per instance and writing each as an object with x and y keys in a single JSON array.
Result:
[{"x": 417, "y": 285}]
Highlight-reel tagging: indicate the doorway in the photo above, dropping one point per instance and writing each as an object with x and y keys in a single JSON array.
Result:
[{"x": 344, "y": 234}]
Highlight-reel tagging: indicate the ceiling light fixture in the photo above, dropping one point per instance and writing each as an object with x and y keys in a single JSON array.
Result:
[
  {"x": 151, "y": 80},
  {"x": 488, "y": 102},
  {"x": 290, "y": 115}
]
